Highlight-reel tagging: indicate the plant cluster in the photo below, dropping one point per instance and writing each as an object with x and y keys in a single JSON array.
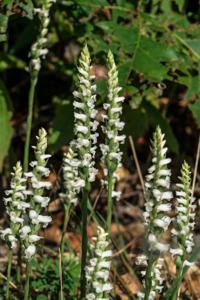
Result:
[
  {"x": 26, "y": 200},
  {"x": 148, "y": 57},
  {"x": 158, "y": 62},
  {"x": 158, "y": 221}
]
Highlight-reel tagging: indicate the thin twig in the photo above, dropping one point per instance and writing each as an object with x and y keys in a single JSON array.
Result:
[
  {"x": 10, "y": 282},
  {"x": 196, "y": 166},
  {"x": 136, "y": 162},
  {"x": 120, "y": 251}
]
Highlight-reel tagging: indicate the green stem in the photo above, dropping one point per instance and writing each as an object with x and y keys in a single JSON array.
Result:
[
  {"x": 27, "y": 284},
  {"x": 66, "y": 219},
  {"x": 178, "y": 283},
  {"x": 110, "y": 204},
  {"x": 148, "y": 277},
  {"x": 19, "y": 262},
  {"x": 85, "y": 201},
  {"x": 8, "y": 274},
  {"x": 34, "y": 78}
]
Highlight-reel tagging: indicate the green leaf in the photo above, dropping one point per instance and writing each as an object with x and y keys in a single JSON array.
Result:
[
  {"x": 148, "y": 58},
  {"x": 6, "y": 130},
  {"x": 62, "y": 127},
  {"x": 180, "y": 4},
  {"x": 137, "y": 121},
  {"x": 195, "y": 108},
  {"x": 92, "y": 3},
  {"x": 3, "y": 27},
  {"x": 127, "y": 37},
  {"x": 26, "y": 37},
  {"x": 124, "y": 70},
  {"x": 8, "y": 2},
  {"x": 194, "y": 45},
  {"x": 42, "y": 297},
  {"x": 8, "y": 61},
  {"x": 28, "y": 8},
  {"x": 192, "y": 82},
  {"x": 155, "y": 119}
]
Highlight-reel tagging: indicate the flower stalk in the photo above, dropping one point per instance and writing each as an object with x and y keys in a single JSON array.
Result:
[
  {"x": 71, "y": 189},
  {"x": 27, "y": 284},
  {"x": 98, "y": 268},
  {"x": 15, "y": 202},
  {"x": 10, "y": 254},
  {"x": 38, "y": 202},
  {"x": 157, "y": 221},
  {"x": 37, "y": 52},
  {"x": 84, "y": 145},
  {"x": 111, "y": 155},
  {"x": 185, "y": 210}
]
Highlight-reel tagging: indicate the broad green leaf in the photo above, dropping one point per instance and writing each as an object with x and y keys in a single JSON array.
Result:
[
  {"x": 92, "y": 3},
  {"x": 8, "y": 2},
  {"x": 124, "y": 70},
  {"x": 191, "y": 44},
  {"x": 8, "y": 61},
  {"x": 193, "y": 84},
  {"x": 137, "y": 121},
  {"x": 42, "y": 297},
  {"x": 28, "y": 8},
  {"x": 62, "y": 126},
  {"x": 102, "y": 87},
  {"x": 195, "y": 108},
  {"x": 6, "y": 130},
  {"x": 3, "y": 27},
  {"x": 180, "y": 4},
  {"x": 145, "y": 63},
  {"x": 26, "y": 37},
  {"x": 126, "y": 36},
  {"x": 156, "y": 118},
  {"x": 194, "y": 45},
  {"x": 148, "y": 57}
]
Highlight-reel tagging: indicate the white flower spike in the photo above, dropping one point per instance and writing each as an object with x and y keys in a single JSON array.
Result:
[
  {"x": 16, "y": 205},
  {"x": 97, "y": 270},
  {"x": 38, "y": 49}
]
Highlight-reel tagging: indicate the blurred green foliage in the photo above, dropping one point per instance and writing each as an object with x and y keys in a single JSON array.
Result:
[
  {"x": 48, "y": 272},
  {"x": 156, "y": 45}
]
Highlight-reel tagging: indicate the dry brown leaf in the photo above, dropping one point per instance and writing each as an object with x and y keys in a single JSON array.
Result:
[
  {"x": 92, "y": 230},
  {"x": 53, "y": 234},
  {"x": 192, "y": 279},
  {"x": 52, "y": 178},
  {"x": 75, "y": 241},
  {"x": 123, "y": 173},
  {"x": 132, "y": 283},
  {"x": 99, "y": 71},
  {"x": 54, "y": 206},
  {"x": 117, "y": 228},
  {"x": 58, "y": 219},
  {"x": 171, "y": 267},
  {"x": 184, "y": 103}
]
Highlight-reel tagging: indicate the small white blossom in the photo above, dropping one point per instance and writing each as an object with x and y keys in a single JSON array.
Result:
[
  {"x": 111, "y": 154},
  {"x": 15, "y": 206},
  {"x": 37, "y": 186},
  {"x": 30, "y": 251},
  {"x": 85, "y": 123},
  {"x": 38, "y": 49},
  {"x": 97, "y": 270},
  {"x": 156, "y": 219}
]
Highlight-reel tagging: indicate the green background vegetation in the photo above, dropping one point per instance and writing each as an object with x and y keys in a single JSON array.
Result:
[{"x": 156, "y": 46}]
